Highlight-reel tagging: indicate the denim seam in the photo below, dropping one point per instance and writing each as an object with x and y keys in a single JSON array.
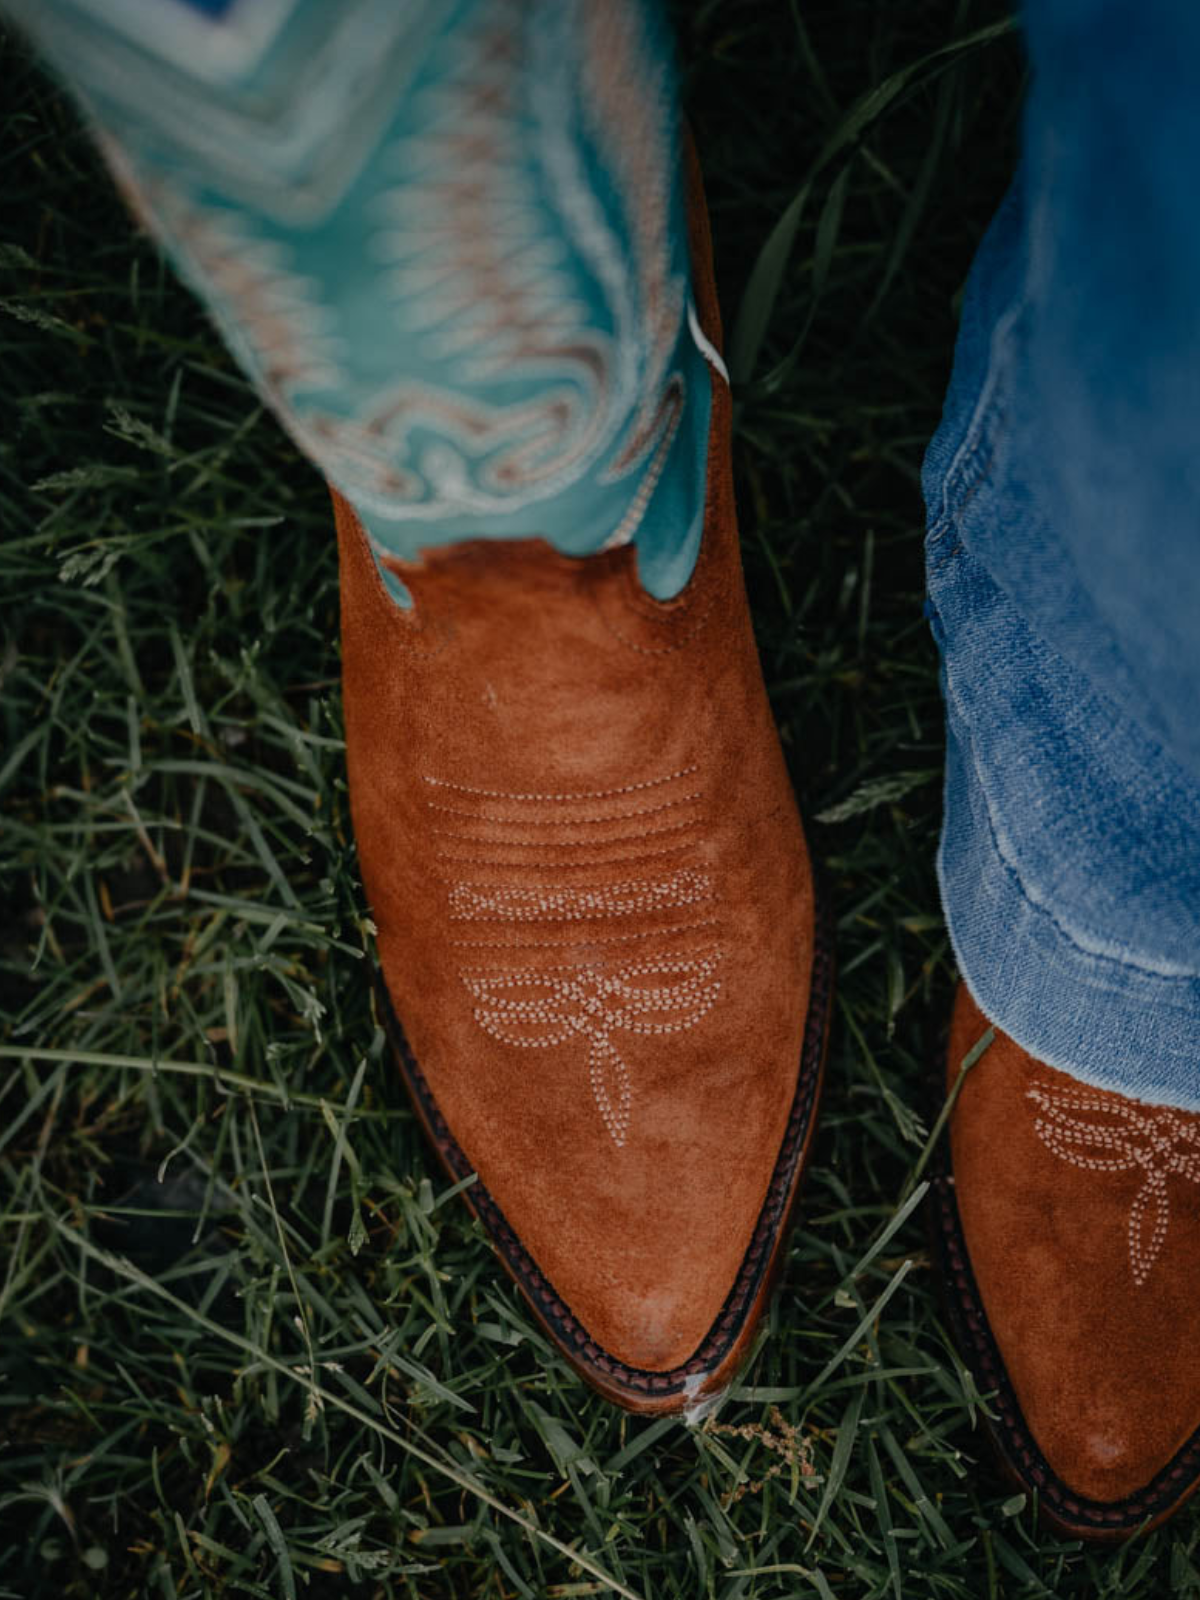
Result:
[
  {"x": 974, "y": 478},
  {"x": 943, "y": 557},
  {"x": 967, "y": 475},
  {"x": 1090, "y": 957},
  {"x": 964, "y": 476}
]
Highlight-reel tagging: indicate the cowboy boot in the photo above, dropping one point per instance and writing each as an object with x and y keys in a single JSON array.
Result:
[
  {"x": 605, "y": 975},
  {"x": 1069, "y": 1232}
]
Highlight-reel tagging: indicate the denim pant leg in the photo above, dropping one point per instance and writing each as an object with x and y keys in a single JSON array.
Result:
[{"x": 1063, "y": 561}]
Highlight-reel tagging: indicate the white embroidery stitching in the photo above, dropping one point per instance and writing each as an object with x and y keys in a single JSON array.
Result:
[
  {"x": 579, "y": 864},
  {"x": 585, "y": 943},
  {"x": 1131, "y": 1137},
  {"x": 555, "y": 1004},
  {"x": 575, "y": 822},
  {"x": 536, "y": 1007},
  {"x": 488, "y": 902},
  {"x": 582, "y": 794},
  {"x": 562, "y": 844}
]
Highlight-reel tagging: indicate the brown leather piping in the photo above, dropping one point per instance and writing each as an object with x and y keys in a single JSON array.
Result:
[{"x": 633, "y": 1387}]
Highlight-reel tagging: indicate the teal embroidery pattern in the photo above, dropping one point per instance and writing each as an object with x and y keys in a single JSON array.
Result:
[{"x": 445, "y": 239}]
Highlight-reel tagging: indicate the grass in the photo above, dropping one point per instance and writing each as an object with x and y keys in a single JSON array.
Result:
[{"x": 251, "y": 1344}]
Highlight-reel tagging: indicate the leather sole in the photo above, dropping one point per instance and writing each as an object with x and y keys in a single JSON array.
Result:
[{"x": 712, "y": 1366}]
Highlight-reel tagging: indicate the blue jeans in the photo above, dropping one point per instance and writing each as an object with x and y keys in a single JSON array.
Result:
[{"x": 1063, "y": 562}]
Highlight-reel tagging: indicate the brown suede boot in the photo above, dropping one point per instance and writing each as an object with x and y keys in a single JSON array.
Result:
[
  {"x": 607, "y": 983},
  {"x": 1070, "y": 1237}
]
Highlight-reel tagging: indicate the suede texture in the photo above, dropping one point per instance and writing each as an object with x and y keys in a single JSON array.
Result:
[
  {"x": 592, "y": 893},
  {"x": 1080, "y": 1211}
]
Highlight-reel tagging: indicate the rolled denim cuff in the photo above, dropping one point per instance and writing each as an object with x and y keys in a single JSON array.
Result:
[{"x": 1047, "y": 956}]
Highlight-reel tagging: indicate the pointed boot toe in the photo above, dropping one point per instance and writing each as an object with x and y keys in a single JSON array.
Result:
[{"x": 1070, "y": 1233}]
